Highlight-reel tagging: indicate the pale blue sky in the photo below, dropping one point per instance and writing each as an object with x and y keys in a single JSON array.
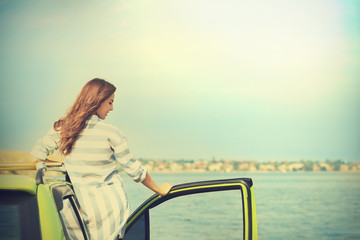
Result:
[{"x": 231, "y": 79}]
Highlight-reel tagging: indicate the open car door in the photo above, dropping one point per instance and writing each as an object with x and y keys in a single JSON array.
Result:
[{"x": 217, "y": 209}]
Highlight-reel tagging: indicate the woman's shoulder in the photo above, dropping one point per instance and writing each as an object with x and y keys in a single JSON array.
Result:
[{"x": 111, "y": 128}]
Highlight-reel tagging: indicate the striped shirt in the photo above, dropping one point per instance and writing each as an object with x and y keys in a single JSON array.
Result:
[{"x": 93, "y": 170}]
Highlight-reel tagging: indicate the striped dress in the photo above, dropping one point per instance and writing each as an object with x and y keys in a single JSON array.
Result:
[{"x": 93, "y": 170}]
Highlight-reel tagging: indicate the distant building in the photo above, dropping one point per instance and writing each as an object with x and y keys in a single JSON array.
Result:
[
  {"x": 325, "y": 167},
  {"x": 266, "y": 167},
  {"x": 215, "y": 167},
  {"x": 344, "y": 168},
  {"x": 296, "y": 167}
]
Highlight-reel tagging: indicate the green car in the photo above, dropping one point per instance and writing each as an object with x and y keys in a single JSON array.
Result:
[{"x": 32, "y": 208}]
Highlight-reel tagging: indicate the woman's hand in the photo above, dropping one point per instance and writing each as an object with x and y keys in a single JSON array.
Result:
[
  {"x": 40, "y": 165},
  {"x": 149, "y": 183},
  {"x": 165, "y": 189}
]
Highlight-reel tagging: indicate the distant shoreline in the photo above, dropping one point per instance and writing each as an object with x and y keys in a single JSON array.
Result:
[{"x": 201, "y": 166}]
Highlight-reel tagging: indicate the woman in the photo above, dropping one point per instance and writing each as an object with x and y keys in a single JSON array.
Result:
[{"x": 92, "y": 149}]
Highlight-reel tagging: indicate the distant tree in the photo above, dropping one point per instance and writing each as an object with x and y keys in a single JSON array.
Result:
[
  {"x": 337, "y": 164},
  {"x": 308, "y": 165}
]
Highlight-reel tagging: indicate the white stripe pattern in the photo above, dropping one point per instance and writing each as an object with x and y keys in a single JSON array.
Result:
[{"x": 92, "y": 168}]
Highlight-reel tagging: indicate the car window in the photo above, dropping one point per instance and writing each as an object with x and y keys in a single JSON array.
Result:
[
  {"x": 211, "y": 215},
  {"x": 140, "y": 230},
  {"x": 19, "y": 218},
  {"x": 207, "y": 215}
]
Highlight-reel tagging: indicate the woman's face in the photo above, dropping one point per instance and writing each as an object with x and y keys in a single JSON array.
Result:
[{"x": 105, "y": 107}]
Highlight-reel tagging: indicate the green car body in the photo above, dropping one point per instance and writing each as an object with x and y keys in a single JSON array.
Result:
[
  {"x": 45, "y": 200},
  {"x": 45, "y": 219}
]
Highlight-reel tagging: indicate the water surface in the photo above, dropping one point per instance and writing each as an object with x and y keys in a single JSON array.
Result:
[{"x": 289, "y": 206}]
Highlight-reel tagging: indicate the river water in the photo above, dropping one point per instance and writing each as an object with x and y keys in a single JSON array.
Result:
[{"x": 289, "y": 206}]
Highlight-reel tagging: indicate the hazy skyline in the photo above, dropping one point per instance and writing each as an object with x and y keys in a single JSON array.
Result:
[{"x": 195, "y": 79}]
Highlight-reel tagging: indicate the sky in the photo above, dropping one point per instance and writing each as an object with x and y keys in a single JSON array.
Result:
[{"x": 196, "y": 79}]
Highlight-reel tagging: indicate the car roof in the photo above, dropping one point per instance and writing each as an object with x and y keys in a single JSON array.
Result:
[{"x": 18, "y": 183}]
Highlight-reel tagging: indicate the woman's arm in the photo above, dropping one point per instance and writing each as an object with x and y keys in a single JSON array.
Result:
[
  {"x": 43, "y": 163},
  {"x": 47, "y": 161},
  {"x": 149, "y": 183},
  {"x": 46, "y": 145}
]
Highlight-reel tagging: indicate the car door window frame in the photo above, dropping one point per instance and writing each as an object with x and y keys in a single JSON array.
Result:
[{"x": 242, "y": 184}]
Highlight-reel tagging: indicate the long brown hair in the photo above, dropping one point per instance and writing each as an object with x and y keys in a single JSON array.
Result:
[{"x": 88, "y": 101}]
